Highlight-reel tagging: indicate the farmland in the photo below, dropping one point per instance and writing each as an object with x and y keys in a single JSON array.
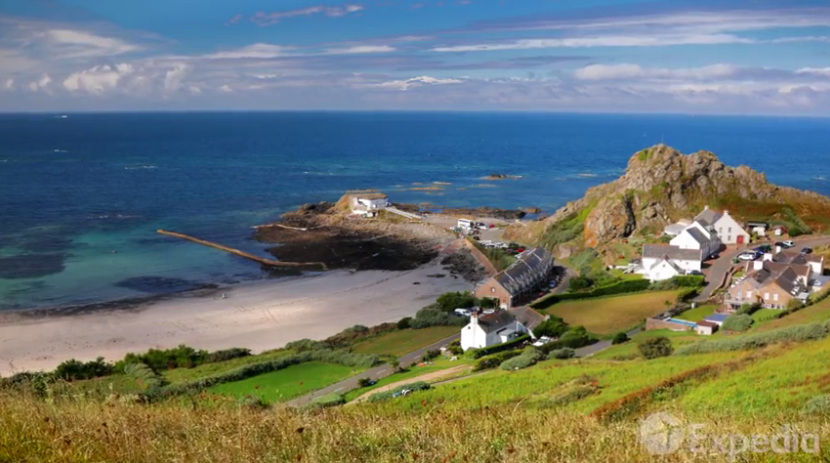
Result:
[{"x": 608, "y": 315}]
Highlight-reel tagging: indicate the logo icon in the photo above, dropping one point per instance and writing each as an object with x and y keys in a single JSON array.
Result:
[{"x": 661, "y": 433}]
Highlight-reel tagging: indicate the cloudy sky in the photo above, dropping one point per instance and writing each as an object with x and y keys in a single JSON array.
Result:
[{"x": 720, "y": 57}]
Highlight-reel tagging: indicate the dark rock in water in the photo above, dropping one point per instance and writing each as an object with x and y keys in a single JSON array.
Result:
[
  {"x": 492, "y": 212},
  {"x": 496, "y": 176},
  {"x": 411, "y": 208},
  {"x": 31, "y": 265},
  {"x": 158, "y": 285},
  {"x": 531, "y": 210},
  {"x": 46, "y": 243},
  {"x": 318, "y": 208}
]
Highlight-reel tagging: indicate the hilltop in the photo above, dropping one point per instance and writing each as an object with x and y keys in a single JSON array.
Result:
[{"x": 660, "y": 186}]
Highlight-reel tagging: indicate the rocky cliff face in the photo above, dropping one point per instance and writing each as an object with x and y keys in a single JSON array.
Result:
[{"x": 661, "y": 185}]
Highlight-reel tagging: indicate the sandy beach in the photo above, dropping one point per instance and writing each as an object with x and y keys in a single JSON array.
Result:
[{"x": 258, "y": 316}]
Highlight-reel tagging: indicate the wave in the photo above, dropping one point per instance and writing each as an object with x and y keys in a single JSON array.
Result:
[
  {"x": 586, "y": 175},
  {"x": 111, "y": 216},
  {"x": 56, "y": 150},
  {"x": 139, "y": 167},
  {"x": 820, "y": 177}
]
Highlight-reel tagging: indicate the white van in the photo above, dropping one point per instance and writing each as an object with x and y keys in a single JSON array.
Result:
[{"x": 465, "y": 224}]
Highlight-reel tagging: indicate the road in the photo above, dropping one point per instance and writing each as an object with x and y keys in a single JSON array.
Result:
[{"x": 718, "y": 269}]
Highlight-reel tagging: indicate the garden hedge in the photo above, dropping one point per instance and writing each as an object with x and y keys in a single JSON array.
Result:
[{"x": 478, "y": 353}]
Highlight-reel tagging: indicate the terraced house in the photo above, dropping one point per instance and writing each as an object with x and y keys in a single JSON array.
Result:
[
  {"x": 772, "y": 284},
  {"x": 519, "y": 281}
]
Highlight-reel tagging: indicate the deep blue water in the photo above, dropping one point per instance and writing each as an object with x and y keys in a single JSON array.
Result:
[{"x": 75, "y": 189}]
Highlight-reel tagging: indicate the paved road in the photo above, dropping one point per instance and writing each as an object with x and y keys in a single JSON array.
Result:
[
  {"x": 375, "y": 373},
  {"x": 718, "y": 269}
]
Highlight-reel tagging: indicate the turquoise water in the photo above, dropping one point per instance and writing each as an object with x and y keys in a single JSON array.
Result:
[{"x": 76, "y": 189}]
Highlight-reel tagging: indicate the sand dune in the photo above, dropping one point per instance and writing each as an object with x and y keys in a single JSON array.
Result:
[{"x": 259, "y": 316}]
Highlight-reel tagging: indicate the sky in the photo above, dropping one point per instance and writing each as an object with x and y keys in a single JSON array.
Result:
[{"x": 754, "y": 57}]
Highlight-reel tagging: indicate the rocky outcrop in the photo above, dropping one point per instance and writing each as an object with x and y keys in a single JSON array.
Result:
[{"x": 661, "y": 185}]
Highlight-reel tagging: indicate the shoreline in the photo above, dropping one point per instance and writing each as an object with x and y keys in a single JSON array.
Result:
[{"x": 258, "y": 315}]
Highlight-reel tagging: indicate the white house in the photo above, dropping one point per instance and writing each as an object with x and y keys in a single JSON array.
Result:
[
  {"x": 699, "y": 235},
  {"x": 372, "y": 202},
  {"x": 706, "y": 328},
  {"x": 661, "y": 262},
  {"x": 759, "y": 228},
  {"x": 728, "y": 229},
  {"x": 491, "y": 329}
]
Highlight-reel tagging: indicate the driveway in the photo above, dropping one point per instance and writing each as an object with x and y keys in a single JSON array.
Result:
[
  {"x": 375, "y": 373},
  {"x": 718, "y": 268}
]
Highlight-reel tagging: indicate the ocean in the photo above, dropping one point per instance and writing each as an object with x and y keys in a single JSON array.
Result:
[{"x": 81, "y": 195}]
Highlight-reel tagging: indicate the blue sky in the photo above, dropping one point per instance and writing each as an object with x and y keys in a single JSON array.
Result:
[{"x": 701, "y": 57}]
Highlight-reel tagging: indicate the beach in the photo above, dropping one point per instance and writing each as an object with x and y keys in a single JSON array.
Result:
[{"x": 258, "y": 315}]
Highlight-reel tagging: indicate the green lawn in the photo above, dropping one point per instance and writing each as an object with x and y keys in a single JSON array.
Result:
[
  {"x": 609, "y": 315},
  {"x": 441, "y": 363},
  {"x": 764, "y": 315},
  {"x": 181, "y": 375},
  {"x": 698, "y": 313},
  {"x": 402, "y": 342},
  {"x": 814, "y": 313},
  {"x": 285, "y": 384},
  {"x": 629, "y": 349}
]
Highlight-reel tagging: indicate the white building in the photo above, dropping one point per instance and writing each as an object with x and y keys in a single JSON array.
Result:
[
  {"x": 491, "y": 329},
  {"x": 661, "y": 262},
  {"x": 700, "y": 236},
  {"x": 728, "y": 229}
]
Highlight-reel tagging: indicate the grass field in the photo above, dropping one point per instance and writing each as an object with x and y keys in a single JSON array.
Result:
[
  {"x": 814, "y": 313},
  {"x": 609, "y": 315},
  {"x": 285, "y": 384},
  {"x": 629, "y": 350},
  {"x": 402, "y": 342},
  {"x": 438, "y": 364},
  {"x": 181, "y": 375},
  {"x": 698, "y": 313},
  {"x": 764, "y": 315}
]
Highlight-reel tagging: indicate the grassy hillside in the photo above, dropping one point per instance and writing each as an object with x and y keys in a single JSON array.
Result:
[{"x": 608, "y": 315}]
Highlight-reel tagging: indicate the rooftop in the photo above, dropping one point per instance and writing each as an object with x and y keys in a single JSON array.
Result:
[
  {"x": 716, "y": 317},
  {"x": 658, "y": 251},
  {"x": 495, "y": 321},
  {"x": 525, "y": 271}
]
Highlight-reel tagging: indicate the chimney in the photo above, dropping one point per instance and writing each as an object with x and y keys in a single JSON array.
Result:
[
  {"x": 758, "y": 264},
  {"x": 777, "y": 249},
  {"x": 706, "y": 207},
  {"x": 726, "y": 213},
  {"x": 474, "y": 316}
]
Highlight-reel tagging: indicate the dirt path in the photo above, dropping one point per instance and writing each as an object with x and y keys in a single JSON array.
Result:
[{"x": 427, "y": 377}]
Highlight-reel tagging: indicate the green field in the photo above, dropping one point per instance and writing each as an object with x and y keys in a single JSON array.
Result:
[
  {"x": 441, "y": 363},
  {"x": 629, "y": 350},
  {"x": 764, "y": 315},
  {"x": 609, "y": 315},
  {"x": 814, "y": 313},
  {"x": 182, "y": 375},
  {"x": 698, "y": 313},
  {"x": 402, "y": 342},
  {"x": 285, "y": 384}
]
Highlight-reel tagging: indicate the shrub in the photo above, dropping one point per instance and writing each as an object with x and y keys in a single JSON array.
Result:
[
  {"x": 737, "y": 322},
  {"x": 456, "y": 350},
  {"x": 458, "y": 300},
  {"x": 529, "y": 356},
  {"x": 404, "y": 323},
  {"x": 72, "y": 370},
  {"x": 144, "y": 376},
  {"x": 625, "y": 286},
  {"x": 227, "y": 354},
  {"x": 574, "y": 338},
  {"x": 553, "y": 327},
  {"x": 488, "y": 303},
  {"x": 253, "y": 403},
  {"x": 166, "y": 359},
  {"x": 431, "y": 354},
  {"x": 680, "y": 281},
  {"x": 620, "y": 338},
  {"x": 433, "y": 315},
  {"x": 748, "y": 309},
  {"x": 412, "y": 387},
  {"x": 563, "y": 231},
  {"x": 501, "y": 347},
  {"x": 796, "y": 333},
  {"x": 562, "y": 354},
  {"x": 794, "y": 305},
  {"x": 329, "y": 400},
  {"x": 303, "y": 345},
  {"x": 492, "y": 361},
  {"x": 579, "y": 283},
  {"x": 818, "y": 405},
  {"x": 687, "y": 294},
  {"x": 653, "y": 348},
  {"x": 364, "y": 382}
]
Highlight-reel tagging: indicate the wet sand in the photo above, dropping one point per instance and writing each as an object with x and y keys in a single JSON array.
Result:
[{"x": 257, "y": 315}]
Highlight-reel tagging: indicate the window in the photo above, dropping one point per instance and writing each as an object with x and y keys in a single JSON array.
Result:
[
  {"x": 748, "y": 294},
  {"x": 729, "y": 238},
  {"x": 720, "y": 230},
  {"x": 729, "y": 230},
  {"x": 492, "y": 289},
  {"x": 775, "y": 297},
  {"x": 766, "y": 296}
]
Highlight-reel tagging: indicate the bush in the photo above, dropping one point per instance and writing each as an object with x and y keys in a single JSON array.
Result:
[
  {"x": 620, "y": 338},
  {"x": 625, "y": 286},
  {"x": 492, "y": 361},
  {"x": 488, "y": 303},
  {"x": 563, "y": 231},
  {"x": 412, "y": 387},
  {"x": 501, "y": 347},
  {"x": 579, "y": 283},
  {"x": 431, "y": 354},
  {"x": 456, "y": 350},
  {"x": 528, "y": 358},
  {"x": 144, "y": 376},
  {"x": 72, "y": 370},
  {"x": 329, "y": 400},
  {"x": 798, "y": 333},
  {"x": 166, "y": 359},
  {"x": 748, "y": 309},
  {"x": 364, "y": 382},
  {"x": 433, "y": 315},
  {"x": 737, "y": 322},
  {"x": 680, "y": 281},
  {"x": 553, "y": 327},
  {"x": 574, "y": 338},
  {"x": 818, "y": 405},
  {"x": 687, "y": 294},
  {"x": 794, "y": 305},
  {"x": 404, "y": 323},
  {"x": 562, "y": 354},
  {"x": 303, "y": 345},
  {"x": 227, "y": 354},
  {"x": 253, "y": 403},
  {"x": 459, "y": 300},
  {"x": 653, "y": 348}
]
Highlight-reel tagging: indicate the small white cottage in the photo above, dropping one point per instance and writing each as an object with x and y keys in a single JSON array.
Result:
[{"x": 491, "y": 329}]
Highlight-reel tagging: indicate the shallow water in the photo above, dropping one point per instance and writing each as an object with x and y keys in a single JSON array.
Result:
[{"x": 83, "y": 196}]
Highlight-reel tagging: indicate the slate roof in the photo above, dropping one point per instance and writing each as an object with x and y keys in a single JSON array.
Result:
[
  {"x": 716, "y": 317},
  {"x": 698, "y": 235},
  {"x": 526, "y": 272},
  {"x": 658, "y": 251},
  {"x": 496, "y": 321},
  {"x": 708, "y": 215},
  {"x": 784, "y": 275},
  {"x": 707, "y": 323},
  {"x": 792, "y": 257},
  {"x": 527, "y": 316}
]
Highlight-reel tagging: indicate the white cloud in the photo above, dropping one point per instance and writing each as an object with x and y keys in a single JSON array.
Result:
[
  {"x": 97, "y": 79},
  {"x": 404, "y": 85},
  {"x": 605, "y": 41},
  {"x": 266, "y": 19},
  {"x": 76, "y": 44},
  {"x": 40, "y": 84},
  {"x": 255, "y": 51},
  {"x": 225, "y": 89},
  {"x": 8, "y": 84},
  {"x": 360, "y": 49},
  {"x": 825, "y": 72},
  {"x": 173, "y": 77},
  {"x": 630, "y": 71}
]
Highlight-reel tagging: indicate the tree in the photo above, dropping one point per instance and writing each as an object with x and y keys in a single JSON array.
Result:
[
  {"x": 553, "y": 327},
  {"x": 364, "y": 382},
  {"x": 395, "y": 364},
  {"x": 404, "y": 323},
  {"x": 579, "y": 283},
  {"x": 794, "y": 304},
  {"x": 653, "y": 348},
  {"x": 620, "y": 338}
]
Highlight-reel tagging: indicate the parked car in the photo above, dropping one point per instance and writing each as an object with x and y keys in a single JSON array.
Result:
[
  {"x": 807, "y": 250},
  {"x": 714, "y": 256},
  {"x": 764, "y": 248},
  {"x": 748, "y": 256},
  {"x": 542, "y": 341},
  {"x": 787, "y": 244}
]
